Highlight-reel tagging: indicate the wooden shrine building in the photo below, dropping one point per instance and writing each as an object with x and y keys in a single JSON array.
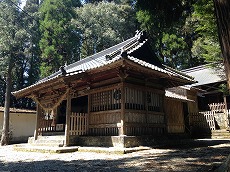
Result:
[{"x": 118, "y": 92}]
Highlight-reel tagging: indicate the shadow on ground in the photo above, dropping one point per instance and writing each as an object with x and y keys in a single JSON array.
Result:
[
  {"x": 188, "y": 143},
  {"x": 200, "y": 155}
]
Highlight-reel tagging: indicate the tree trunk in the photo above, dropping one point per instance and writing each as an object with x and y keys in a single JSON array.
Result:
[
  {"x": 222, "y": 10},
  {"x": 5, "y": 130}
]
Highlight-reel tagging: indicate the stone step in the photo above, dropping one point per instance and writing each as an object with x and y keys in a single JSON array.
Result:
[
  {"x": 220, "y": 137},
  {"x": 220, "y": 134},
  {"x": 48, "y": 144},
  {"x": 57, "y": 141},
  {"x": 44, "y": 149},
  {"x": 48, "y": 149},
  {"x": 51, "y": 137},
  {"x": 220, "y": 131}
]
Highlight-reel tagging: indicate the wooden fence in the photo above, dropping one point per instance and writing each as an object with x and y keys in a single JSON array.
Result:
[
  {"x": 217, "y": 107},
  {"x": 203, "y": 120},
  {"x": 78, "y": 124},
  {"x": 45, "y": 122},
  {"x": 46, "y": 126}
]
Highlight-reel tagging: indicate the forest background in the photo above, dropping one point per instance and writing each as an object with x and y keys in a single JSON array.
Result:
[{"x": 35, "y": 40}]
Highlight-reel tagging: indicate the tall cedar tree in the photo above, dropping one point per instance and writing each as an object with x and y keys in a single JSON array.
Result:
[
  {"x": 59, "y": 42},
  {"x": 203, "y": 21},
  {"x": 27, "y": 65},
  {"x": 104, "y": 24},
  {"x": 164, "y": 22},
  {"x": 222, "y": 9},
  {"x": 9, "y": 50}
]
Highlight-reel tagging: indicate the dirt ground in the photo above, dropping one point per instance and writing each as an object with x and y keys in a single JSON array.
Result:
[{"x": 199, "y": 155}]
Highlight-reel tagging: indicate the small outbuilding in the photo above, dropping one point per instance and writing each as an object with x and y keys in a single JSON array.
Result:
[
  {"x": 110, "y": 98},
  {"x": 213, "y": 103},
  {"x": 21, "y": 124}
]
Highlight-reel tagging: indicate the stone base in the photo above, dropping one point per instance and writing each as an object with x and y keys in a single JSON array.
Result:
[{"x": 110, "y": 141}]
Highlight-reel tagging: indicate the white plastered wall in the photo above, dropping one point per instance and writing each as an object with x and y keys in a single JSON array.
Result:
[{"x": 22, "y": 125}]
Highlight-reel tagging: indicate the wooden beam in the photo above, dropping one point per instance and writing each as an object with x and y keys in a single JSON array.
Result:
[
  {"x": 104, "y": 125},
  {"x": 162, "y": 125},
  {"x": 54, "y": 104},
  {"x": 105, "y": 82}
]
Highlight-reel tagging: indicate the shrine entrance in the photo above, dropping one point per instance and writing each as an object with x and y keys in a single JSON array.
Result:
[{"x": 52, "y": 122}]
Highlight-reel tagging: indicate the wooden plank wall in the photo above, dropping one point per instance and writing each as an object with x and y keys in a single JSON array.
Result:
[
  {"x": 105, "y": 111},
  {"x": 175, "y": 116},
  {"x": 143, "y": 111}
]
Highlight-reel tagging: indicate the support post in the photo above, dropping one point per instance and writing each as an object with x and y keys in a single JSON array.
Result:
[
  {"x": 226, "y": 114},
  {"x": 38, "y": 114},
  {"x": 88, "y": 115},
  {"x": 54, "y": 114},
  {"x": 123, "y": 127},
  {"x": 68, "y": 113}
]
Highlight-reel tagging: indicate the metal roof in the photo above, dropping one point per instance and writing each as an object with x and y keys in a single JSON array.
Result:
[
  {"x": 111, "y": 55},
  {"x": 206, "y": 74}
]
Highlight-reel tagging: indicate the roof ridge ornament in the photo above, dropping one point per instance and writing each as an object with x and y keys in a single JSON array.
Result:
[
  {"x": 63, "y": 71},
  {"x": 124, "y": 53}
]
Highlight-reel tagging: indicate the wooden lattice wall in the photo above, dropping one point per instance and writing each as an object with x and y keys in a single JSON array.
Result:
[{"x": 142, "y": 108}]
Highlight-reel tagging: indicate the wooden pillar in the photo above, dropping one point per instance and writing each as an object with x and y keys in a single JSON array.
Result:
[
  {"x": 123, "y": 127},
  {"x": 88, "y": 115},
  {"x": 38, "y": 114},
  {"x": 54, "y": 122},
  {"x": 226, "y": 114},
  {"x": 68, "y": 113},
  {"x": 165, "y": 115}
]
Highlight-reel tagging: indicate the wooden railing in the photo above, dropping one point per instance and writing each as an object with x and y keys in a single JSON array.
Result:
[
  {"x": 46, "y": 126},
  {"x": 78, "y": 124}
]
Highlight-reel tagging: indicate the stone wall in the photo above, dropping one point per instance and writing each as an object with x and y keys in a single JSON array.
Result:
[
  {"x": 219, "y": 120},
  {"x": 109, "y": 141}
]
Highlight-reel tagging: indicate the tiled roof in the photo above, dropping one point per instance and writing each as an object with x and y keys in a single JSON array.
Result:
[
  {"x": 205, "y": 74},
  {"x": 15, "y": 110},
  {"x": 111, "y": 55},
  {"x": 179, "y": 93}
]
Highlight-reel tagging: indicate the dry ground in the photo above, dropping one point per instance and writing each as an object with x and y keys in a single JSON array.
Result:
[{"x": 203, "y": 155}]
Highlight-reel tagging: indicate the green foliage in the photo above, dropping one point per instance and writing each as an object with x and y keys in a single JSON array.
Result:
[
  {"x": 9, "y": 52},
  {"x": 11, "y": 36},
  {"x": 224, "y": 89},
  {"x": 206, "y": 44},
  {"x": 60, "y": 41},
  {"x": 19, "y": 49},
  {"x": 175, "y": 51},
  {"x": 128, "y": 2},
  {"x": 165, "y": 22},
  {"x": 162, "y": 13},
  {"x": 103, "y": 24}
]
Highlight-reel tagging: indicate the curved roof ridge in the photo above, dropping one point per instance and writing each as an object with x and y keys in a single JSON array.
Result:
[{"x": 101, "y": 53}]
